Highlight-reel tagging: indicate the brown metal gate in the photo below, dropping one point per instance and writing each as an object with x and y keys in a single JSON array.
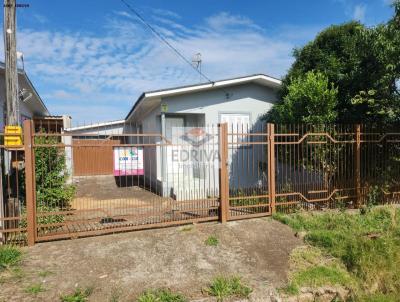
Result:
[
  {"x": 94, "y": 159},
  {"x": 253, "y": 172}
]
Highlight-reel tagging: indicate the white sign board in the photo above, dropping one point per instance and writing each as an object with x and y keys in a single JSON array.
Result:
[{"x": 128, "y": 161}]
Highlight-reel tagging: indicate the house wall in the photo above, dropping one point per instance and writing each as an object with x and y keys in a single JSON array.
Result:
[
  {"x": 152, "y": 154},
  {"x": 247, "y": 98},
  {"x": 252, "y": 99},
  {"x": 25, "y": 110}
]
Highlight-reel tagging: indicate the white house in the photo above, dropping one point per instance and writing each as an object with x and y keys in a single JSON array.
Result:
[
  {"x": 238, "y": 101},
  {"x": 30, "y": 105}
]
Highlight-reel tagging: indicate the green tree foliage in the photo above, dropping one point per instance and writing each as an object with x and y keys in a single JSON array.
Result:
[
  {"x": 309, "y": 99},
  {"x": 362, "y": 63},
  {"x": 52, "y": 190}
]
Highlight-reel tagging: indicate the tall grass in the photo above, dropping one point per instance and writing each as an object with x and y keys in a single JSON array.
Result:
[{"x": 367, "y": 244}]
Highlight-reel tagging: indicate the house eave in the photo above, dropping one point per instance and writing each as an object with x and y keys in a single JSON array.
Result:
[{"x": 258, "y": 78}]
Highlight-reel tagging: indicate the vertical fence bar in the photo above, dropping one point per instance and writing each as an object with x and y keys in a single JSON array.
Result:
[
  {"x": 223, "y": 173},
  {"x": 357, "y": 164},
  {"x": 271, "y": 166},
  {"x": 30, "y": 182}
]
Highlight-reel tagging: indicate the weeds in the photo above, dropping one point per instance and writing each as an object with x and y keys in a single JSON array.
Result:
[
  {"x": 35, "y": 289},
  {"x": 9, "y": 256},
  {"x": 44, "y": 274},
  {"x": 161, "y": 295},
  {"x": 223, "y": 287},
  {"x": 367, "y": 246},
  {"x": 212, "y": 240},
  {"x": 79, "y": 295}
]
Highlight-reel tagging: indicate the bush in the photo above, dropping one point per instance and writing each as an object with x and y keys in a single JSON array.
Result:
[{"x": 51, "y": 175}]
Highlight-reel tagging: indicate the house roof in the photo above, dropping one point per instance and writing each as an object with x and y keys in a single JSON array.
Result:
[
  {"x": 38, "y": 102},
  {"x": 98, "y": 125},
  {"x": 257, "y": 78}
]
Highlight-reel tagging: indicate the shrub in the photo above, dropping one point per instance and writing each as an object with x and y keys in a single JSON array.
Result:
[{"x": 51, "y": 175}]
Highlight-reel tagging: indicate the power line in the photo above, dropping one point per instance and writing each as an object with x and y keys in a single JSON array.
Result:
[{"x": 162, "y": 39}]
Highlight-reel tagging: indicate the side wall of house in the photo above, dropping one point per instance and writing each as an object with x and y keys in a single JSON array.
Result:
[
  {"x": 247, "y": 98},
  {"x": 24, "y": 110},
  {"x": 151, "y": 124}
]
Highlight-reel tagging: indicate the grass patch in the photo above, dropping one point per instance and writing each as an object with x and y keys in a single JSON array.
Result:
[
  {"x": 223, "y": 287},
  {"x": 79, "y": 295},
  {"x": 211, "y": 241},
  {"x": 44, "y": 274},
  {"x": 365, "y": 245},
  {"x": 34, "y": 289},
  {"x": 9, "y": 256},
  {"x": 161, "y": 295},
  {"x": 309, "y": 267}
]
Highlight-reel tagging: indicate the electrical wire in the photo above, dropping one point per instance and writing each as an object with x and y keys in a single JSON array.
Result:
[{"x": 162, "y": 39}]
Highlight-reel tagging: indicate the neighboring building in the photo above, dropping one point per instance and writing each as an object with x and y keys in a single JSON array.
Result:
[
  {"x": 31, "y": 104},
  {"x": 235, "y": 101}
]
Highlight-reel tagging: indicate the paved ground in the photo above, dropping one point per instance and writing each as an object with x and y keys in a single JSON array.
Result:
[{"x": 175, "y": 258}]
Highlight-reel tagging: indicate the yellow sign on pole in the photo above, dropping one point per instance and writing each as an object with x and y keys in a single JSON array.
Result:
[{"x": 12, "y": 136}]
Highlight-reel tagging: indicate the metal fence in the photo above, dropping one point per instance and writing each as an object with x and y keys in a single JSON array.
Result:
[{"x": 60, "y": 184}]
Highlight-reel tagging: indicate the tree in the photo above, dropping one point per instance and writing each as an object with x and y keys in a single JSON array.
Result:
[
  {"x": 358, "y": 61},
  {"x": 309, "y": 99}
]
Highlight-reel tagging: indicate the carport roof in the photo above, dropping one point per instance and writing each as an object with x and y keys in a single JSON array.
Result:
[{"x": 257, "y": 78}]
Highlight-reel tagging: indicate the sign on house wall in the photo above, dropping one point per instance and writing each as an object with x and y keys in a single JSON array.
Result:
[{"x": 128, "y": 161}]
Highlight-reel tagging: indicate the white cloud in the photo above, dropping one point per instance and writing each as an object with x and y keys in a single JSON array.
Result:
[
  {"x": 225, "y": 20},
  {"x": 359, "y": 12},
  {"x": 98, "y": 76}
]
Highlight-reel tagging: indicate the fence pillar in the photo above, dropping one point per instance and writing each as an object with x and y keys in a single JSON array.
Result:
[
  {"x": 223, "y": 173},
  {"x": 30, "y": 185},
  {"x": 357, "y": 165},
  {"x": 271, "y": 166}
]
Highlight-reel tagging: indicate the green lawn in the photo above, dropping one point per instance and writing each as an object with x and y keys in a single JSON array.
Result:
[{"x": 365, "y": 247}]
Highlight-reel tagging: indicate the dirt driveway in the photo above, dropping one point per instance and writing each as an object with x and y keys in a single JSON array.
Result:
[{"x": 175, "y": 258}]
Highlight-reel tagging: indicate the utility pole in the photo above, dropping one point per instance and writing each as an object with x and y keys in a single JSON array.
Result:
[
  {"x": 10, "y": 49},
  {"x": 11, "y": 104}
]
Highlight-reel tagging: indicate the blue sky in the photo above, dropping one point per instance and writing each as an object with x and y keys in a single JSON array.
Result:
[{"x": 92, "y": 59}]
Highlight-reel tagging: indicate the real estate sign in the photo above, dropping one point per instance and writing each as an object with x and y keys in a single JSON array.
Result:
[{"x": 128, "y": 161}]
